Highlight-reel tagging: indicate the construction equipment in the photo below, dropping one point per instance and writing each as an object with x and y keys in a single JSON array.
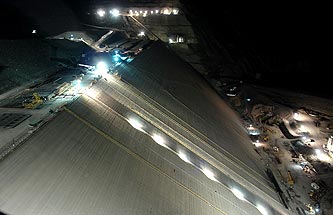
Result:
[
  {"x": 290, "y": 178},
  {"x": 36, "y": 101}
]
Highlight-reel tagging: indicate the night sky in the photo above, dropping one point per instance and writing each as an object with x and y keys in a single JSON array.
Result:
[{"x": 291, "y": 39}]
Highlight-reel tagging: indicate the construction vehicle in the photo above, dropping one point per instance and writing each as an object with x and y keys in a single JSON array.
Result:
[
  {"x": 290, "y": 179},
  {"x": 36, "y": 101}
]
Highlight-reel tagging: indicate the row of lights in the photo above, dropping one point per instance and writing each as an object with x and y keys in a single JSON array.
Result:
[
  {"x": 115, "y": 12},
  {"x": 144, "y": 13},
  {"x": 182, "y": 155},
  {"x": 159, "y": 139},
  {"x": 102, "y": 68}
]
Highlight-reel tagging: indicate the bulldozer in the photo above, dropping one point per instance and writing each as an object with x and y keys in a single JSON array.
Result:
[{"x": 36, "y": 101}]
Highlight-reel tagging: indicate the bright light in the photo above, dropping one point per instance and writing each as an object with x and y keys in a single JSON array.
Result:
[
  {"x": 140, "y": 11},
  {"x": 101, "y": 68},
  {"x": 258, "y": 144},
  {"x": 136, "y": 124},
  {"x": 156, "y": 11},
  {"x": 151, "y": 12},
  {"x": 166, "y": 12},
  {"x": 34, "y": 31},
  {"x": 144, "y": 15},
  {"x": 131, "y": 12},
  {"x": 296, "y": 116},
  {"x": 159, "y": 139},
  {"x": 209, "y": 174},
  {"x": 238, "y": 194},
  {"x": 77, "y": 84},
  {"x": 303, "y": 129},
  {"x": 115, "y": 12},
  {"x": 141, "y": 34},
  {"x": 184, "y": 157},
  {"x": 116, "y": 57},
  {"x": 175, "y": 11},
  {"x": 91, "y": 92},
  {"x": 322, "y": 156},
  {"x": 100, "y": 12},
  {"x": 171, "y": 40},
  {"x": 262, "y": 210}
]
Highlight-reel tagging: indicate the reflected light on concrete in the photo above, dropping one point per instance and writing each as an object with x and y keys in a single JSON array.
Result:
[
  {"x": 136, "y": 124},
  {"x": 209, "y": 174},
  {"x": 238, "y": 194},
  {"x": 91, "y": 92},
  {"x": 184, "y": 157},
  {"x": 159, "y": 139},
  {"x": 262, "y": 210}
]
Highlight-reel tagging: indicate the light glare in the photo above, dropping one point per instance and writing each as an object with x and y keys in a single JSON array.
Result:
[
  {"x": 91, "y": 92},
  {"x": 175, "y": 11},
  {"x": 101, "y": 12},
  {"x": 322, "y": 156},
  {"x": 115, "y": 12},
  {"x": 101, "y": 68},
  {"x": 141, "y": 34}
]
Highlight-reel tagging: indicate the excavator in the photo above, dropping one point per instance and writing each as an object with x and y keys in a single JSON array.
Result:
[{"x": 36, "y": 101}]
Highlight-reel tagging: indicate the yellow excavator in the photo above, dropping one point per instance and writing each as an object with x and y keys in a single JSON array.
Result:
[{"x": 36, "y": 101}]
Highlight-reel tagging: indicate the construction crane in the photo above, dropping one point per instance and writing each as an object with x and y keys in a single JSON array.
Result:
[{"x": 36, "y": 101}]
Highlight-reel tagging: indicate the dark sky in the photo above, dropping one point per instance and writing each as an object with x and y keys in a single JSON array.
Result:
[{"x": 292, "y": 39}]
